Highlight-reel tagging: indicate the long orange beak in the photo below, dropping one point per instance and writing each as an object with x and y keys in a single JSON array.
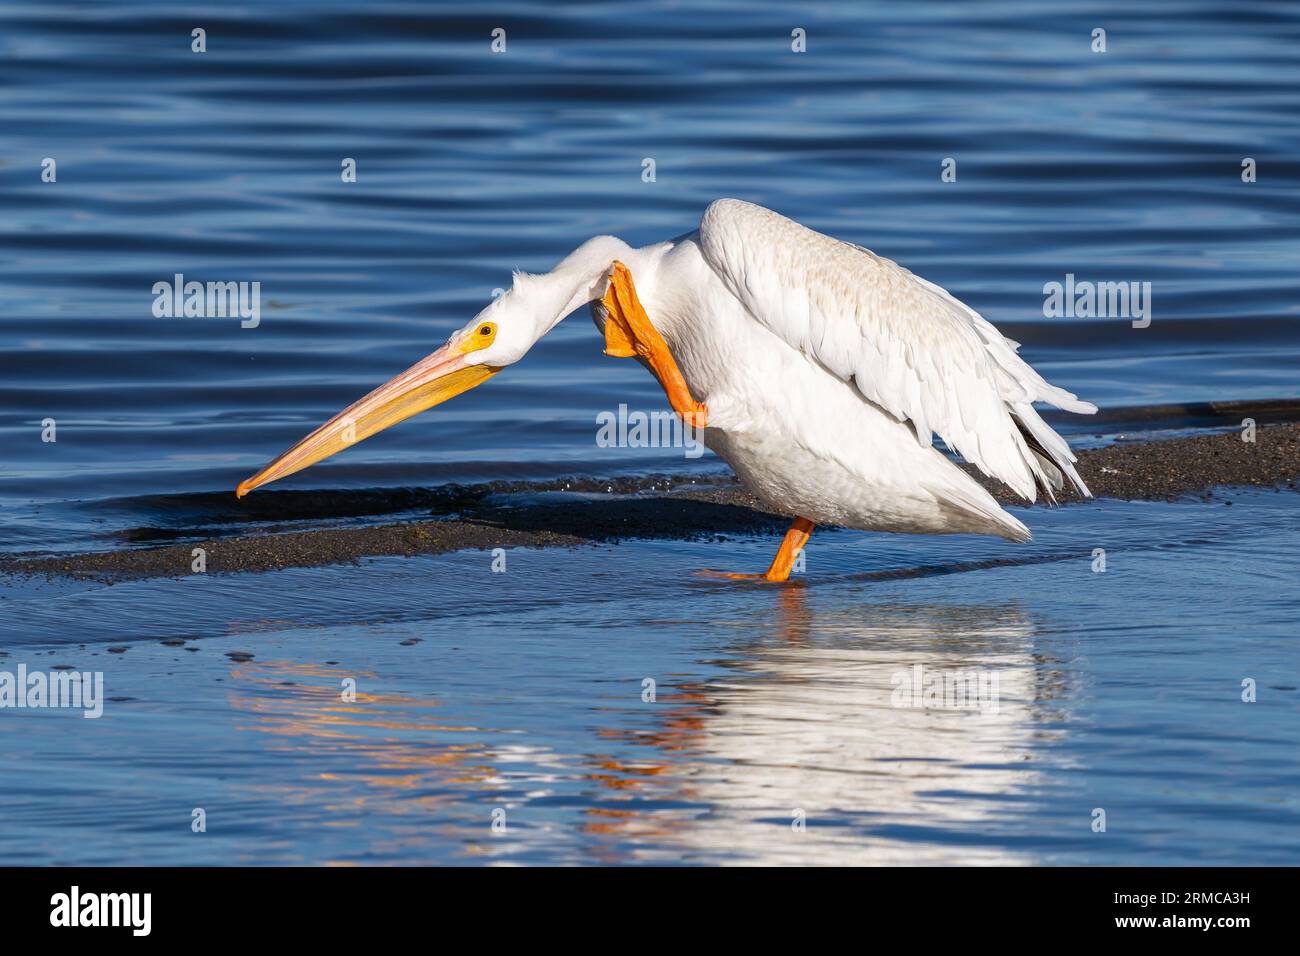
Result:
[{"x": 429, "y": 382}]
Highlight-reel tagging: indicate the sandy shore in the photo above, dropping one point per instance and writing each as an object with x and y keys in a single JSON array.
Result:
[{"x": 663, "y": 507}]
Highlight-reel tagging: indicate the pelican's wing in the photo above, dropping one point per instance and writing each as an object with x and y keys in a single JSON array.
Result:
[{"x": 906, "y": 344}]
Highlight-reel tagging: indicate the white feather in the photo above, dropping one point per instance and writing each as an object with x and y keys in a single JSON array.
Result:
[{"x": 906, "y": 344}]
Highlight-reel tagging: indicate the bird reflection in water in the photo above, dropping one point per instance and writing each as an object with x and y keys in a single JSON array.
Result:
[
  {"x": 818, "y": 725},
  {"x": 805, "y": 726}
]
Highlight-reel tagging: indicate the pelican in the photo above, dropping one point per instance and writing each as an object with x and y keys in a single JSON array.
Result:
[{"x": 818, "y": 370}]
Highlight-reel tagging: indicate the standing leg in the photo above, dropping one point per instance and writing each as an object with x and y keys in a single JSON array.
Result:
[
  {"x": 783, "y": 563},
  {"x": 795, "y": 539}
]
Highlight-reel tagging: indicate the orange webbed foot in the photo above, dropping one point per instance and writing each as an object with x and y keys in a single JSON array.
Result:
[
  {"x": 728, "y": 575},
  {"x": 782, "y": 564},
  {"x": 629, "y": 333}
]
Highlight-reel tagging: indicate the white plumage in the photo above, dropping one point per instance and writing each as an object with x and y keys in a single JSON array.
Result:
[{"x": 827, "y": 368}]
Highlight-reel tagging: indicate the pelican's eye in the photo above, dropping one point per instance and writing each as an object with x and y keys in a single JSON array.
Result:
[{"x": 482, "y": 336}]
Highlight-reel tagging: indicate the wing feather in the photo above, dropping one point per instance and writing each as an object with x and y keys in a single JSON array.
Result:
[{"x": 905, "y": 344}]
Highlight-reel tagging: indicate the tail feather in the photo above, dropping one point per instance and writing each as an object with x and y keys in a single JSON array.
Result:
[
  {"x": 1049, "y": 449},
  {"x": 968, "y": 498}
]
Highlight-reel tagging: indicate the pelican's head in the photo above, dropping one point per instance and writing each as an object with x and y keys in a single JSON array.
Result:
[
  {"x": 503, "y": 332},
  {"x": 500, "y": 335}
]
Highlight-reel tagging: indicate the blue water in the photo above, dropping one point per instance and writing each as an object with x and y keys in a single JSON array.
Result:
[{"x": 1120, "y": 690}]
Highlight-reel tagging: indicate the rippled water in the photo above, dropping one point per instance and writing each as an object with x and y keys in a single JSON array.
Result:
[
  {"x": 526, "y": 692},
  {"x": 1118, "y": 690}
]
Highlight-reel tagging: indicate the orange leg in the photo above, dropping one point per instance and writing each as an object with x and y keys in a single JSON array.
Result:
[
  {"x": 629, "y": 334},
  {"x": 783, "y": 563}
]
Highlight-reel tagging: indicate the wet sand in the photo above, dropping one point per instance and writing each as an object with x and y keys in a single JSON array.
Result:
[{"x": 573, "y": 513}]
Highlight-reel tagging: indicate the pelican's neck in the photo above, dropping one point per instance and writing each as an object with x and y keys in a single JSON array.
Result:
[{"x": 581, "y": 277}]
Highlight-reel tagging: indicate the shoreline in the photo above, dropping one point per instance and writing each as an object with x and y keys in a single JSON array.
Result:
[{"x": 1165, "y": 469}]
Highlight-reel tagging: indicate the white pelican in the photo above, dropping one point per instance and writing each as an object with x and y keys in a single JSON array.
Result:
[{"x": 820, "y": 369}]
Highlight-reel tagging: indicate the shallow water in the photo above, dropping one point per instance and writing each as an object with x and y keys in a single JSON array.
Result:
[{"x": 1117, "y": 690}]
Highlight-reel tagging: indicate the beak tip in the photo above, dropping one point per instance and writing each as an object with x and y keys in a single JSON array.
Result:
[{"x": 244, "y": 488}]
